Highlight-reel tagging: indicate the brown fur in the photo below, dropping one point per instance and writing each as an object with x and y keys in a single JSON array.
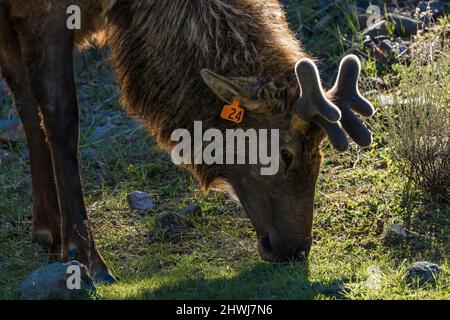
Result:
[{"x": 158, "y": 49}]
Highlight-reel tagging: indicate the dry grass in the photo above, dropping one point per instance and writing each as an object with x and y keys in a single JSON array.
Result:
[{"x": 418, "y": 123}]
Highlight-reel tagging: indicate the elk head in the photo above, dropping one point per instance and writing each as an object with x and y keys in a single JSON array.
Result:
[{"x": 281, "y": 206}]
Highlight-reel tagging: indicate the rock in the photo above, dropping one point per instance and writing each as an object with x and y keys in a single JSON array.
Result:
[
  {"x": 12, "y": 131},
  {"x": 191, "y": 210},
  {"x": 395, "y": 233},
  {"x": 386, "y": 46},
  {"x": 437, "y": 8},
  {"x": 398, "y": 229},
  {"x": 3, "y": 155},
  {"x": 386, "y": 50},
  {"x": 140, "y": 201},
  {"x": 362, "y": 20},
  {"x": 54, "y": 281},
  {"x": 403, "y": 26},
  {"x": 424, "y": 271}
]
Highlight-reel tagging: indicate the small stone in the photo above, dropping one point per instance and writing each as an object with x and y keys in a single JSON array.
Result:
[
  {"x": 395, "y": 234},
  {"x": 4, "y": 154},
  {"x": 55, "y": 281},
  {"x": 386, "y": 45},
  {"x": 140, "y": 201},
  {"x": 398, "y": 229},
  {"x": 424, "y": 271},
  {"x": 191, "y": 210},
  {"x": 166, "y": 218}
]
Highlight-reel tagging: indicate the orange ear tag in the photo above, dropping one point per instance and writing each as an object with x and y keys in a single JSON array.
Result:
[{"x": 234, "y": 112}]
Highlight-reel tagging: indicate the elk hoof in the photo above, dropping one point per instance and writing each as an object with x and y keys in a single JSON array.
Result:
[{"x": 103, "y": 276}]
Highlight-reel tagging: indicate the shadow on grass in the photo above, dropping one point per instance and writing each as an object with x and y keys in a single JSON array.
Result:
[{"x": 260, "y": 281}]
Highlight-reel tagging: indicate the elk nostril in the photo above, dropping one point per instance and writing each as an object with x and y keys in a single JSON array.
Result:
[{"x": 265, "y": 244}]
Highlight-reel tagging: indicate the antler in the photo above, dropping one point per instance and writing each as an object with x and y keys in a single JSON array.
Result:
[{"x": 335, "y": 118}]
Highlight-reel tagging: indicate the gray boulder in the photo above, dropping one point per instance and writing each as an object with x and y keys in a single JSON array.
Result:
[
  {"x": 424, "y": 271},
  {"x": 58, "y": 281},
  {"x": 140, "y": 201}
]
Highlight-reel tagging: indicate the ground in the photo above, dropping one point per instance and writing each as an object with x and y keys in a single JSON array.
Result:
[{"x": 359, "y": 194}]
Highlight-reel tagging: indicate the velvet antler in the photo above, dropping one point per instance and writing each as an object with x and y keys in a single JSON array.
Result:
[{"x": 333, "y": 111}]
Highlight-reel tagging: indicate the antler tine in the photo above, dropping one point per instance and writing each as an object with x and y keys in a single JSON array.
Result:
[
  {"x": 347, "y": 96},
  {"x": 314, "y": 106},
  {"x": 335, "y": 133},
  {"x": 313, "y": 101},
  {"x": 346, "y": 86}
]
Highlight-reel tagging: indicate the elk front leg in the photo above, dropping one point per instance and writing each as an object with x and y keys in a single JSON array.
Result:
[
  {"x": 46, "y": 215},
  {"x": 50, "y": 68}
]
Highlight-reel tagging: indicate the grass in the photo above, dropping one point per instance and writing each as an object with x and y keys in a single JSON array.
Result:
[{"x": 359, "y": 194}]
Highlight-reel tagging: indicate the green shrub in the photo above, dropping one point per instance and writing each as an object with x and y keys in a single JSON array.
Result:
[{"x": 418, "y": 122}]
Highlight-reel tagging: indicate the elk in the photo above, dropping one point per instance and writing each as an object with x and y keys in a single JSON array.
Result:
[{"x": 177, "y": 62}]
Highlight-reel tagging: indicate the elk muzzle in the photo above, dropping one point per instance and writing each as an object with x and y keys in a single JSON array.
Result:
[{"x": 278, "y": 248}]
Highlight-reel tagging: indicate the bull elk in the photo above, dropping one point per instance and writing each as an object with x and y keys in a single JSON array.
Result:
[{"x": 177, "y": 62}]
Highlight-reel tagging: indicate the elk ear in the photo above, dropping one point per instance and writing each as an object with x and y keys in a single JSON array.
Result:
[{"x": 228, "y": 90}]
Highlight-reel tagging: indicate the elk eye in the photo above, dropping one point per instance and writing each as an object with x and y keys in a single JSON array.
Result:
[{"x": 287, "y": 158}]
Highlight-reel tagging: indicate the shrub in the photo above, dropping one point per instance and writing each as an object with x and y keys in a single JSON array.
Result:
[{"x": 418, "y": 123}]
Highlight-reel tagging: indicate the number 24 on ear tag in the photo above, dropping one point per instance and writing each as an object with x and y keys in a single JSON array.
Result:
[{"x": 234, "y": 112}]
